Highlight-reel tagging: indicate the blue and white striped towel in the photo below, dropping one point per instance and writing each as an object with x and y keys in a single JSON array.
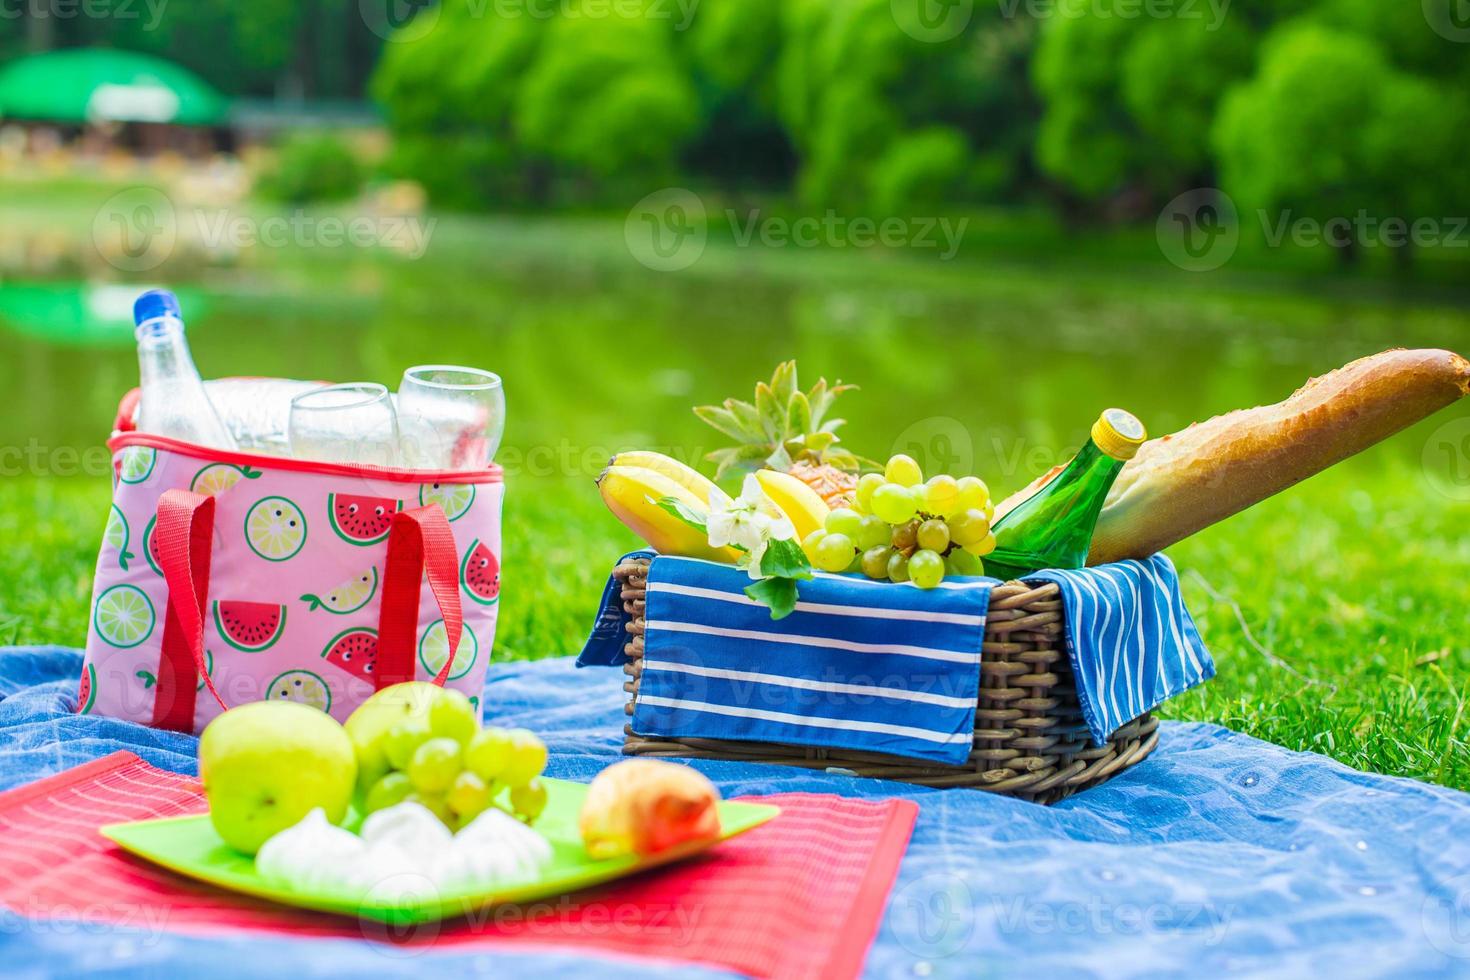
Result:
[
  {"x": 1132, "y": 643},
  {"x": 882, "y": 668},
  {"x": 859, "y": 665}
]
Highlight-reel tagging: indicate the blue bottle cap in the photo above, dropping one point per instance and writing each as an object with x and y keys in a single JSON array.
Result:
[{"x": 154, "y": 304}]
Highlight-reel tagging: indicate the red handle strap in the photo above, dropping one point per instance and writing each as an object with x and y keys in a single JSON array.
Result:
[
  {"x": 419, "y": 544},
  {"x": 184, "y": 536}
]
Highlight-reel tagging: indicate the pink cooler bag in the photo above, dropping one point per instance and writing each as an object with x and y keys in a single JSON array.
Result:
[{"x": 226, "y": 578}]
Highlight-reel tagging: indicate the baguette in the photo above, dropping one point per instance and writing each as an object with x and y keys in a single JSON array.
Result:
[{"x": 1183, "y": 483}]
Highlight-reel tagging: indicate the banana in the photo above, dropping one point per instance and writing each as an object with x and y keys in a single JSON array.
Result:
[
  {"x": 630, "y": 493},
  {"x": 686, "y": 476},
  {"x": 807, "y": 510}
]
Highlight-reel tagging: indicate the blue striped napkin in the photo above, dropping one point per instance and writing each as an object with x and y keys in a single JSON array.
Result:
[
  {"x": 1131, "y": 642},
  {"x": 876, "y": 667},
  {"x": 859, "y": 665}
]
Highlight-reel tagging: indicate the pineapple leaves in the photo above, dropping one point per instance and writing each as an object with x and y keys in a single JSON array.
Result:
[
  {"x": 798, "y": 415},
  {"x": 772, "y": 412},
  {"x": 750, "y": 419},
  {"x": 783, "y": 381},
  {"x": 738, "y": 459},
  {"x": 722, "y": 419}
]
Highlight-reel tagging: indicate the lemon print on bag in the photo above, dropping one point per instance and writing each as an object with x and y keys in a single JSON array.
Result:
[
  {"x": 346, "y": 597},
  {"x": 124, "y": 616},
  {"x": 117, "y": 536},
  {"x": 137, "y": 464},
  {"x": 453, "y": 498},
  {"x": 275, "y": 528},
  {"x": 434, "y": 650},
  {"x": 216, "y": 478},
  {"x": 301, "y": 686}
]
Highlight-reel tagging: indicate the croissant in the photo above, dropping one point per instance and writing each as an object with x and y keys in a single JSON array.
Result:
[{"x": 643, "y": 806}]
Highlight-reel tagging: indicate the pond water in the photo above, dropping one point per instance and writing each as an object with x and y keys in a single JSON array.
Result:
[{"x": 987, "y": 366}]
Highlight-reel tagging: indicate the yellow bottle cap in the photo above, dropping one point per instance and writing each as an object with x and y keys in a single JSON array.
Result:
[{"x": 1118, "y": 433}]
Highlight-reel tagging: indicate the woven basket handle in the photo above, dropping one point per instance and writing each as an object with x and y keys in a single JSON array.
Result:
[
  {"x": 419, "y": 544},
  {"x": 184, "y": 535}
]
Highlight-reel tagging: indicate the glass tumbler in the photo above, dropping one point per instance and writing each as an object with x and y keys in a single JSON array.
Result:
[
  {"x": 450, "y": 417},
  {"x": 347, "y": 423}
]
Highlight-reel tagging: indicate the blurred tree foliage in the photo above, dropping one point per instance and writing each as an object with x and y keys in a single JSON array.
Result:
[
  {"x": 262, "y": 48},
  {"x": 1318, "y": 106}
]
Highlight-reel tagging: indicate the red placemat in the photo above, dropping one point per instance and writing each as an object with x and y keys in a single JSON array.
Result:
[{"x": 799, "y": 897}]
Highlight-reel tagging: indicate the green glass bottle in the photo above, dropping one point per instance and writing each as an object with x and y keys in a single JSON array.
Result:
[{"x": 1053, "y": 527}]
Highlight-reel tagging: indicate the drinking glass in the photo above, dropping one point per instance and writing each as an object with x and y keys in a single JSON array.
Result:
[
  {"x": 451, "y": 417},
  {"x": 347, "y": 423}
]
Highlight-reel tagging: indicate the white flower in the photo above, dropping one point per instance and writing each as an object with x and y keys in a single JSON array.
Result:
[{"x": 751, "y": 521}]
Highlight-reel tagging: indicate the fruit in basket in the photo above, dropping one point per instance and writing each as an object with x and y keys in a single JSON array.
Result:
[
  {"x": 684, "y": 475},
  {"x": 249, "y": 627},
  {"x": 926, "y": 568},
  {"x": 894, "y": 503},
  {"x": 267, "y": 764},
  {"x": 787, "y": 430},
  {"x": 632, "y": 494},
  {"x": 480, "y": 574},
  {"x": 799, "y": 502},
  {"x": 644, "y": 806},
  {"x": 361, "y": 520},
  {"x": 904, "y": 471},
  {"x": 863, "y": 495},
  {"x": 347, "y": 596}
]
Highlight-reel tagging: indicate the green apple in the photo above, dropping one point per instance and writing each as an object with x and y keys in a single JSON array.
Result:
[
  {"x": 453, "y": 716},
  {"x": 266, "y": 765},
  {"x": 368, "y": 725}
]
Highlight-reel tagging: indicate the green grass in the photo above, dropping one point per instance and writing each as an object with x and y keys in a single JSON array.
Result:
[{"x": 1336, "y": 612}]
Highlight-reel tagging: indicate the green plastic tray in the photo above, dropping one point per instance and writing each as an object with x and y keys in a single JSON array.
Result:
[{"x": 190, "y": 846}]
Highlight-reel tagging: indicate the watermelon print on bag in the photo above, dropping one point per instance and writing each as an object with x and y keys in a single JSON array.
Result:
[{"x": 297, "y": 574}]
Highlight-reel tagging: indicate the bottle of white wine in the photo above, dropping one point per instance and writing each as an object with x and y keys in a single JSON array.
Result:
[{"x": 173, "y": 402}]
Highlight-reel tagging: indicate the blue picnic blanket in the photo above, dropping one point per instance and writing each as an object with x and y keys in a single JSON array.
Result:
[
  {"x": 880, "y": 667},
  {"x": 1220, "y": 853}
]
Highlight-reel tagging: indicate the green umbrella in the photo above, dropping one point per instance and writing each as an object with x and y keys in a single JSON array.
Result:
[{"x": 101, "y": 84}]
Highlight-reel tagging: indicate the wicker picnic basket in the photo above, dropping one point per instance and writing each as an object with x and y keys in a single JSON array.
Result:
[{"x": 1030, "y": 739}]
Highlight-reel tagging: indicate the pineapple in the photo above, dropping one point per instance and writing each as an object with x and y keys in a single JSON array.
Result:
[{"x": 787, "y": 429}]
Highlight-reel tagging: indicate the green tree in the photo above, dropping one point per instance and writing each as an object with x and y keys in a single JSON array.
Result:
[{"x": 1328, "y": 128}]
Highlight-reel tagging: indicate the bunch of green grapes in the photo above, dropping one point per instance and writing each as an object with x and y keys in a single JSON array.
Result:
[
  {"x": 903, "y": 529},
  {"x": 456, "y": 769}
]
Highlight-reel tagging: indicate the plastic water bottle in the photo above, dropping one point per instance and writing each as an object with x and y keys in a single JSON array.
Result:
[{"x": 173, "y": 402}]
